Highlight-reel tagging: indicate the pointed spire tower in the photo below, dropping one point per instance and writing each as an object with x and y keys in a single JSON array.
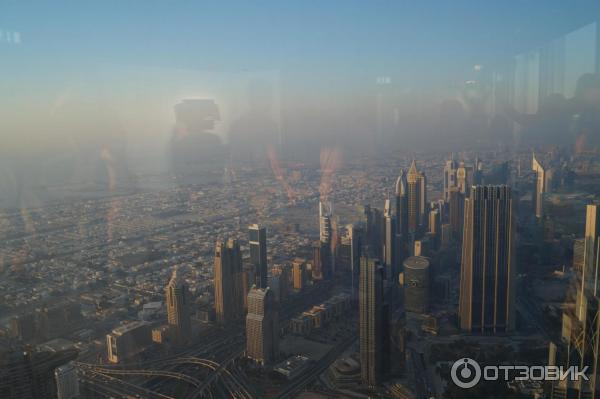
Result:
[
  {"x": 412, "y": 171},
  {"x": 402, "y": 206},
  {"x": 401, "y": 184},
  {"x": 417, "y": 197}
]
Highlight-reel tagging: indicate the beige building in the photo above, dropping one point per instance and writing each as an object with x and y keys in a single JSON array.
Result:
[
  {"x": 178, "y": 307},
  {"x": 262, "y": 326}
]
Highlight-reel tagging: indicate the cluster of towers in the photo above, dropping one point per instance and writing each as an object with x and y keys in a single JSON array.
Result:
[
  {"x": 397, "y": 241},
  {"x": 579, "y": 344},
  {"x": 235, "y": 289},
  {"x": 383, "y": 254}
]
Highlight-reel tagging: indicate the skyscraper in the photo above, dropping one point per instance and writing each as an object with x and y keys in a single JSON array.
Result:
[
  {"x": 417, "y": 198},
  {"x": 247, "y": 281},
  {"x": 258, "y": 253},
  {"x": 352, "y": 243},
  {"x": 580, "y": 337},
  {"x": 464, "y": 176},
  {"x": 262, "y": 327},
  {"x": 229, "y": 302},
  {"x": 283, "y": 271},
  {"x": 178, "y": 303},
  {"x": 67, "y": 383},
  {"x": 591, "y": 255},
  {"x": 373, "y": 231},
  {"x": 457, "y": 208},
  {"x": 435, "y": 227},
  {"x": 416, "y": 284},
  {"x": 402, "y": 207},
  {"x": 26, "y": 374},
  {"x": 326, "y": 236},
  {"x": 449, "y": 177},
  {"x": 325, "y": 213},
  {"x": 372, "y": 321},
  {"x": 389, "y": 243},
  {"x": 541, "y": 186},
  {"x": 321, "y": 261},
  {"x": 458, "y": 176},
  {"x": 487, "y": 283},
  {"x": 299, "y": 273}
]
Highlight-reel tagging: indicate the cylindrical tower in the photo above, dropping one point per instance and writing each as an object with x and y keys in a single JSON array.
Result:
[{"x": 416, "y": 284}]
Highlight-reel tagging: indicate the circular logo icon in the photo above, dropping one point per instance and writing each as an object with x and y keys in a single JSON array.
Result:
[{"x": 465, "y": 373}]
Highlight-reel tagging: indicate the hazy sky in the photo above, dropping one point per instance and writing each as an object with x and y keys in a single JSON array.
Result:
[{"x": 66, "y": 66}]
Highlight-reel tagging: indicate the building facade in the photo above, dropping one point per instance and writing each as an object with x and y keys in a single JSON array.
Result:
[
  {"x": 487, "y": 283},
  {"x": 229, "y": 302},
  {"x": 417, "y": 198},
  {"x": 372, "y": 321},
  {"x": 262, "y": 327},
  {"x": 580, "y": 338},
  {"x": 178, "y": 307},
  {"x": 257, "y": 240}
]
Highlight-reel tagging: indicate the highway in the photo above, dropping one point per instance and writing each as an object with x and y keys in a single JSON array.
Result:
[
  {"x": 213, "y": 353},
  {"x": 312, "y": 373}
]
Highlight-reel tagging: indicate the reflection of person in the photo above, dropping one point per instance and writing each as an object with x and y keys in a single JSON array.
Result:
[
  {"x": 500, "y": 131},
  {"x": 557, "y": 116},
  {"x": 452, "y": 119},
  {"x": 255, "y": 134},
  {"x": 585, "y": 113},
  {"x": 548, "y": 126},
  {"x": 195, "y": 151}
]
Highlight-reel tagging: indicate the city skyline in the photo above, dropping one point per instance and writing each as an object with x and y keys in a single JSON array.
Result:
[{"x": 300, "y": 200}]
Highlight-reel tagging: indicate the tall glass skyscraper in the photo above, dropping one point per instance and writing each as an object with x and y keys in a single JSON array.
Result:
[
  {"x": 488, "y": 269},
  {"x": 257, "y": 239}
]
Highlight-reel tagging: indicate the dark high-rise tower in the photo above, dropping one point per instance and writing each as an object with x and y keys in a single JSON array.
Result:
[
  {"x": 372, "y": 321},
  {"x": 487, "y": 272},
  {"x": 257, "y": 239},
  {"x": 402, "y": 206},
  {"x": 373, "y": 231},
  {"x": 229, "y": 303},
  {"x": 321, "y": 261},
  {"x": 390, "y": 242},
  {"x": 356, "y": 238},
  {"x": 457, "y": 207},
  {"x": 417, "y": 198},
  {"x": 28, "y": 374}
]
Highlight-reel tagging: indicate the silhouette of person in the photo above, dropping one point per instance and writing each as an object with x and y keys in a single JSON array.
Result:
[
  {"x": 255, "y": 134},
  {"x": 584, "y": 108},
  {"x": 195, "y": 151},
  {"x": 556, "y": 117}
]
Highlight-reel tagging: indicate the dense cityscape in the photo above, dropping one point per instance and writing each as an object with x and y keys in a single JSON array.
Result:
[{"x": 462, "y": 265}]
